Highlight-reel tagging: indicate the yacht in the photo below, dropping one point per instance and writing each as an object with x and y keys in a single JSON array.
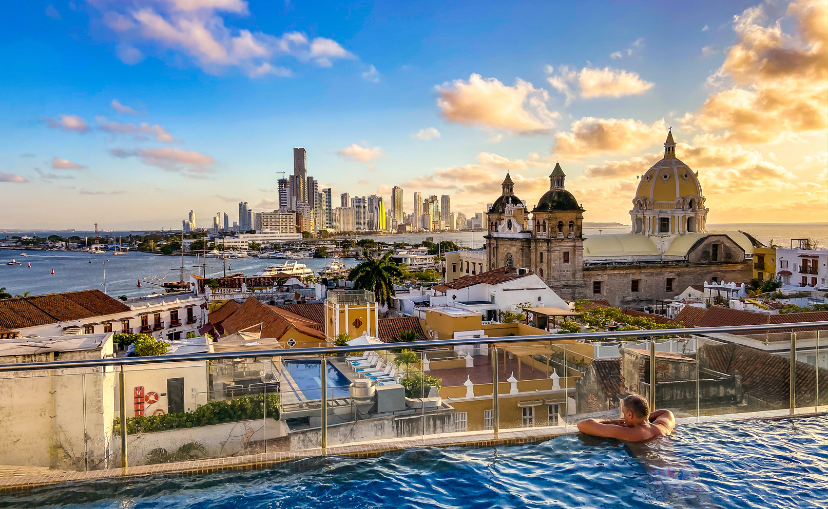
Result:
[
  {"x": 294, "y": 269},
  {"x": 14, "y": 262},
  {"x": 335, "y": 268}
]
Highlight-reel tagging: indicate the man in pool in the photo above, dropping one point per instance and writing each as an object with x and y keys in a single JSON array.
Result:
[{"x": 636, "y": 424}]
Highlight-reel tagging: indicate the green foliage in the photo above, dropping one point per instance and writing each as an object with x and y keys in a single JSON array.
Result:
[
  {"x": 569, "y": 328},
  {"x": 213, "y": 283},
  {"x": 128, "y": 339},
  {"x": 417, "y": 384},
  {"x": 197, "y": 245},
  {"x": 427, "y": 276},
  {"x": 342, "y": 340},
  {"x": 376, "y": 275},
  {"x": 602, "y": 317},
  {"x": 148, "y": 346},
  {"x": 215, "y": 412},
  {"x": 348, "y": 244},
  {"x": 307, "y": 235},
  {"x": 170, "y": 248},
  {"x": 510, "y": 317},
  {"x": 255, "y": 246},
  {"x": 443, "y": 247},
  {"x": 4, "y": 294},
  {"x": 366, "y": 243},
  {"x": 321, "y": 252},
  {"x": 755, "y": 284},
  {"x": 771, "y": 285},
  {"x": 406, "y": 357},
  {"x": 408, "y": 336}
]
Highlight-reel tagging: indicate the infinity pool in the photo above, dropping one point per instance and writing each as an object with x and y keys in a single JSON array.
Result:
[
  {"x": 751, "y": 464},
  {"x": 305, "y": 373}
]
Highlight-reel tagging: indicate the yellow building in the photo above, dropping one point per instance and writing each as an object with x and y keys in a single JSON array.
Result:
[
  {"x": 351, "y": 312},
  {"x": 764, "y": 263},
  {"x": 465, "y": 263}
]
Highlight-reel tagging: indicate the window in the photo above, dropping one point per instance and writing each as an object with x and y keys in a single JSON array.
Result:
[
  {"x": 488, "y": 419},
  {"x": 174, "y": 316},
  {"x": 566, "y": 257},
  {"x": 144, "y": 320},
  {"x": 461, "y": 420},
  {"x": 664, "y": 225},
  {"x": 572, "y": 227},
  {"x": 190, "y": 315},
  {"x": 554, "y": 415},
  {"x": 714, "y": 253},
  {"x": 634, "y": 285},
  {"x": 541, "y": 271},
  {"x": 528, "y": 416},
  {"x": 107, "y": 326},
  {"x": 157, "y": 320},
  {"x": 125, "y": 326},
  {"x": 670, "y": 282},
  {"x": 509, "y": 261},
  {"x": 541, "y": 257},
  {"x": 560, "y": 226},
  {"x": 89, "y": 329},
  {"x": 454, "y": 267},
  {"x": 467, "y": 267},
  {"x": 596, "y": 286}
]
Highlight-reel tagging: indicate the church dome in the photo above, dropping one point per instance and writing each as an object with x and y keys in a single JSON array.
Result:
[
  {"x": 670, "y": 180},
  {"x": 499, "y": 206},
  {"x": 557, "y": 199}
]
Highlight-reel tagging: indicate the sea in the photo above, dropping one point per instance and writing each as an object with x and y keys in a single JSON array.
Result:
[{"x": 119, "y": 275}]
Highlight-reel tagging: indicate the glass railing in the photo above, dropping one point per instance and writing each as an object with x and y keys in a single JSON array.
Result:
[{"x": 87, "y": 415}]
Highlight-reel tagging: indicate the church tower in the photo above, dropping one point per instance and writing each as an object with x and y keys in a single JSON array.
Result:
[{"x": 508, "y": 230}]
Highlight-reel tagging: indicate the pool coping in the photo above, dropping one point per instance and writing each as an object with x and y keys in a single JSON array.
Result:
[{"x": 473, "y": 439}]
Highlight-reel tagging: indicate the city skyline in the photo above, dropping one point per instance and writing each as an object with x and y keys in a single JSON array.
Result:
[{"x": 131, "y": 126}]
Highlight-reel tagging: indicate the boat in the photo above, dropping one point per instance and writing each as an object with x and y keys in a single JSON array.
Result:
[
  {"x": 23, "y": 254},
  {"x": 29, "y": 265},
  {"x": 14, "y": 262},
  {"x": 288, "y": 269},
  {"x": 335, "y": 268}
]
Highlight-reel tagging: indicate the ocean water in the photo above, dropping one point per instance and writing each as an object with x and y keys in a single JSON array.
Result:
[{"x": 758, "y": 464}]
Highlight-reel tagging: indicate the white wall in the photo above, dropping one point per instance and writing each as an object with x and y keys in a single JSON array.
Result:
[{"x": 154, "y": 379}]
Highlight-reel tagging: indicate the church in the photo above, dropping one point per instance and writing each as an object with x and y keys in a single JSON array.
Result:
[{"x": 668, "y": 247}]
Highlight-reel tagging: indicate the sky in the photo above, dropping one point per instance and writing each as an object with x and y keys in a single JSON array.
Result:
[{"x": 131, "y": 113}]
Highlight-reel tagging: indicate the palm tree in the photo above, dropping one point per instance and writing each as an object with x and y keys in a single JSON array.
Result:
[
  {"x": 376, "y": 275},
  {"x": 4, "y": 294}
]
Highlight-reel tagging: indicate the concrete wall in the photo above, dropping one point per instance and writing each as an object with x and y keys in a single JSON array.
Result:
[
  {"x": 220, "y": 440},
  {"x": 154, "y": 379}
]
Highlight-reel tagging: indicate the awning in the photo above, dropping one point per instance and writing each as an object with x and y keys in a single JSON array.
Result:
[
  {"x": 533, "y": 402},
  {"x": 785, "y": 273},
  {"x": 553, "y": 312},
  {"x": 364, "y": 340}
]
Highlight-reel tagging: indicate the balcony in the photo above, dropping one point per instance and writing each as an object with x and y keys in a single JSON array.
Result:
[
  {"x": 191, "y": 320},
  {"x": 175, "y": 323},
  {"x": 809, "y": 270},
  {"x": 145, "y": 329},
  {"x": 158, "y": 326}
]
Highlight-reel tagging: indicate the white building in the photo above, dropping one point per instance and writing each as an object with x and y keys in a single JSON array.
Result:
[
  {"x": 804, "y": 269},
  {"x": 417, "y": 259},
  {"x": 344, "y": 219},
  {"x": 278, "y": 221},
  {"x": 243, "y": 240}
]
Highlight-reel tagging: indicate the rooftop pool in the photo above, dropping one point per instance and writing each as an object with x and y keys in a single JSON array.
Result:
[
  {"x": 763, "y": 464},
  {"x": 305, "y": 373}
]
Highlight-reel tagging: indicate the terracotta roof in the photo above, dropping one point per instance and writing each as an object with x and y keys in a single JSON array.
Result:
[
  {"x": 57, "y": 307},
  {"x": 223, "y": 312},
  {"x": 609, "y": 376},
  {"x": 813, "y": 316},
  {"x": 698, "y": 288},
  {"x": 655, "y": 318},
  {"x": 764, "y": 375},
  {"x": 301, "y": 323},
  {"x": 718, "y": 316},
  {"x": 492, "y": 277},
  {"x": 592, "y": 304},
  {"x": 666, "y": 355},
  {"x": 390, "y": 328},
  {"x": 314, "y": 312},
  {"x": 689, "y": 315},
  {"x": 273, "y": 324}
]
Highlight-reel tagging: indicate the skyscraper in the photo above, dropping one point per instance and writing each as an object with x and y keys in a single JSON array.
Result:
[
  {"x": 226, "y": 222},
  {"x": 326, "y": 208},
  {"x": 445, "y": 211},
  {"x": 312, "y": 187},
  {"x": 360, "y": 205},
  {"x": 345, "y": 200},
  {"x": 418, "y": 210},
  {"x": 192, "y": 220},
  {"x": 397, "y": 204},
  {"x": 284, "y": 194},
  {"x": 300, "y": 173},
  {"x": 244, "y": 217}
]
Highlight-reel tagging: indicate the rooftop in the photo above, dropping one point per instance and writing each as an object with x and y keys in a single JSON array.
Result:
[
  {"x": 57, "y": 307},
  {"x": 36, "y": 346},
  {"x": 492, "y": 277}
]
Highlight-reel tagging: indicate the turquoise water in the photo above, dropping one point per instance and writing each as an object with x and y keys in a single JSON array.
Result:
[
  {"x": 305, "y": 373},
  {"x": 757, "y": 464}
]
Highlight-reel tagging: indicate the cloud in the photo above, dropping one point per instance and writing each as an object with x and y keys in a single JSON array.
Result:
[
  {"x": 197, "y": 30},
  {"x": 427, "y": 134},
  {"x": 122, "y": 108},
  {"x": 708, "y": 50},
  {"x": 158, "y": 132},
  {"x": 705, "y": 28},
  {"x": 65, "y": 164},
  {"x": 53, "y": 176},
  {"x": 359, "y": 153},
  {"x": 371, "y": 75},
  {"x": 779, "y": 81},
  {"x": 622, "y": 169},
  {"x": 228, "y": 199},
  {"x": 534, "y": 160},
  {"x": 592, "y": 136},
  {"x": 51, "y": 12},
  {"x": 268, "y": 204},
  {"x": 187, "y": 162},
  {"x": 635, "y": 46},
  {"x": 88, "y": 192},
  {"x": 12, "y": 178},
  {"x": 68, "y": 123},
  {"x": 591, "y": 82},
  {"x": 488, "y": 103}
]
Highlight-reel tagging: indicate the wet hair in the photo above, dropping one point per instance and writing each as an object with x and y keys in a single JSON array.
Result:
[{"x": 637, "y": 405}]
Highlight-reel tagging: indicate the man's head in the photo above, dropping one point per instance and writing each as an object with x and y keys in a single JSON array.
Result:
[{"x": 634, "y": 409}]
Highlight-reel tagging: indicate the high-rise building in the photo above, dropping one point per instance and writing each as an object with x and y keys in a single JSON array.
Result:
[
  {"x": 278, "y": 221},
  {"x": 381, "y": 224},
  {"x": 300, "y": 173},
  {"x": 345, "y": 200},
  {"x": 257, "y": 222},
  {"x": 373, "y": 213},
  {"x": 185, "y": 226},
  {"x": 312, "y": 186},
  {"x": 360, "y": 205},
  {"x": 244, "y": 217},
  {"x": 445, "y": 210},
  {"x": 192, "y": 220},
  {"x": 397, "y": 204},
  {"x": 344, "y": 219},
  {"x": 418, "y": 211},
  {"x": 304, "y": 221},
  {"x": 284, "y": 194},
  {"x": 217, "y": 222},
  {"x": 326, "y": 208},
  {"x": 249, "y": 220},
  {"x": 226, "y": 222},
  {"x": 460, "y": 222}
]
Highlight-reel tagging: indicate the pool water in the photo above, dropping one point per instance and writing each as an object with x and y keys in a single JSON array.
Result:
[
  {"x": 305, "y": 373},
  {"x": 757, "y": 464}
]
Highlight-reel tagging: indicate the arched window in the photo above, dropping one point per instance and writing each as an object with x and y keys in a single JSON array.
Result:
[
  {"x": 541, "y": 272},
  {"x": 509, "y": 224},
  {"x": 541, "y": 257},
  {"x": 537, "y": 227},
  {"x": 544, "y": 226},
  {"x": 560, "y": 226},
  {"x": 509, "y": 261},
  {"x": 572, "y": 227}
]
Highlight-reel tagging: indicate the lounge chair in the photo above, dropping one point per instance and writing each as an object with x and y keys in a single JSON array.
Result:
[
  {"x": 362, "y": 357},
  {"x": 385, "y": 376},
  {"x": 383, "y": 372},
  {"x": 379, "y": 368},
  {"x": 370, "y": 361}
]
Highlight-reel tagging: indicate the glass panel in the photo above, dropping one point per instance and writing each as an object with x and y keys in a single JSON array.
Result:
[
  {"x": 55, "y": 420},
  {"x": 677, "y": 375},
  {"x": 810, "y": 382},
  {"x": 301, "y": 384},
  {"x": 592, "y": 385}
]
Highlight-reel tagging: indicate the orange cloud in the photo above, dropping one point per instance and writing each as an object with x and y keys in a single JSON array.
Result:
[{"x": 592, "y": 136}]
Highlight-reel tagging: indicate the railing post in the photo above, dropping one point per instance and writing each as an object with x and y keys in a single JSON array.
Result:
[
  {"x": 698, "y": 386},
  {"x": 652, "y": 373},
  {"x": 816, "y": 385},
  {"x": 495, "y": 407},
  {"x": 323, "y": 379},
  {"x": 793, "y": 373},
  {"x": 122, "y": 410}
]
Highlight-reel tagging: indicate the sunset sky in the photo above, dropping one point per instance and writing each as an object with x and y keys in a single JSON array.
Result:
[{"x": 131, "y": 113}]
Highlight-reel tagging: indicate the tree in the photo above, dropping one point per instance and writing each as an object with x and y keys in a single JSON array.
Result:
[
  {"x": 170, "y": 248},
  {"x": 22, "y": 295},
  {"x": 406, "y": 357},
  {"x": 307, "y": 235},
  {"x": 255, "y": 246},
  {"x": 376, "y": 275},
  {"x": 148, "y": 346},
  {"x": 4, "y": 294},
  {"x": 407, "y": 336},
  {"x": 342, "y": 340},
  {"x": 366, "y": 243},
  {"x": 321, "y": 252},
  {"x": 348, "y": 244}
]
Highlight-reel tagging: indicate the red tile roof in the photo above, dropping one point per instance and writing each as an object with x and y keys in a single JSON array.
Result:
[
  {"x": 722, "y": 317},
  {"x": 253, "y": 315},
  {"x": 57, "y": 307},
  {"x": 655, "y": 318},
  {"x": 592, "y": 304},
  {"x": 314, "y": 312},
  {"x": 220, "y": 314},
  {"x": 390, "y": 328},
  {"x": 689, "y": 315},
  {"x": 609, "y": 376},
  {"x": 492, "y": 277},
  {"x": 764, "y": 376}
]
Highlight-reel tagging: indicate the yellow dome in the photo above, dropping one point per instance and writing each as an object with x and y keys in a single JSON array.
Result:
[{"x": 669, "y": 180}]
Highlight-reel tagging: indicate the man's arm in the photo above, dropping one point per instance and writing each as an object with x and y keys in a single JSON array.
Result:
[
  {"x": 598, "y": 429},
  {"x": 617, "y": 422},
  {"x": 664, "y": 419}
]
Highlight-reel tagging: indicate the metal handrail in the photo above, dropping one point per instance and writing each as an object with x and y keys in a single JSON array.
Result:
[{"x": 416, "y": 345}]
